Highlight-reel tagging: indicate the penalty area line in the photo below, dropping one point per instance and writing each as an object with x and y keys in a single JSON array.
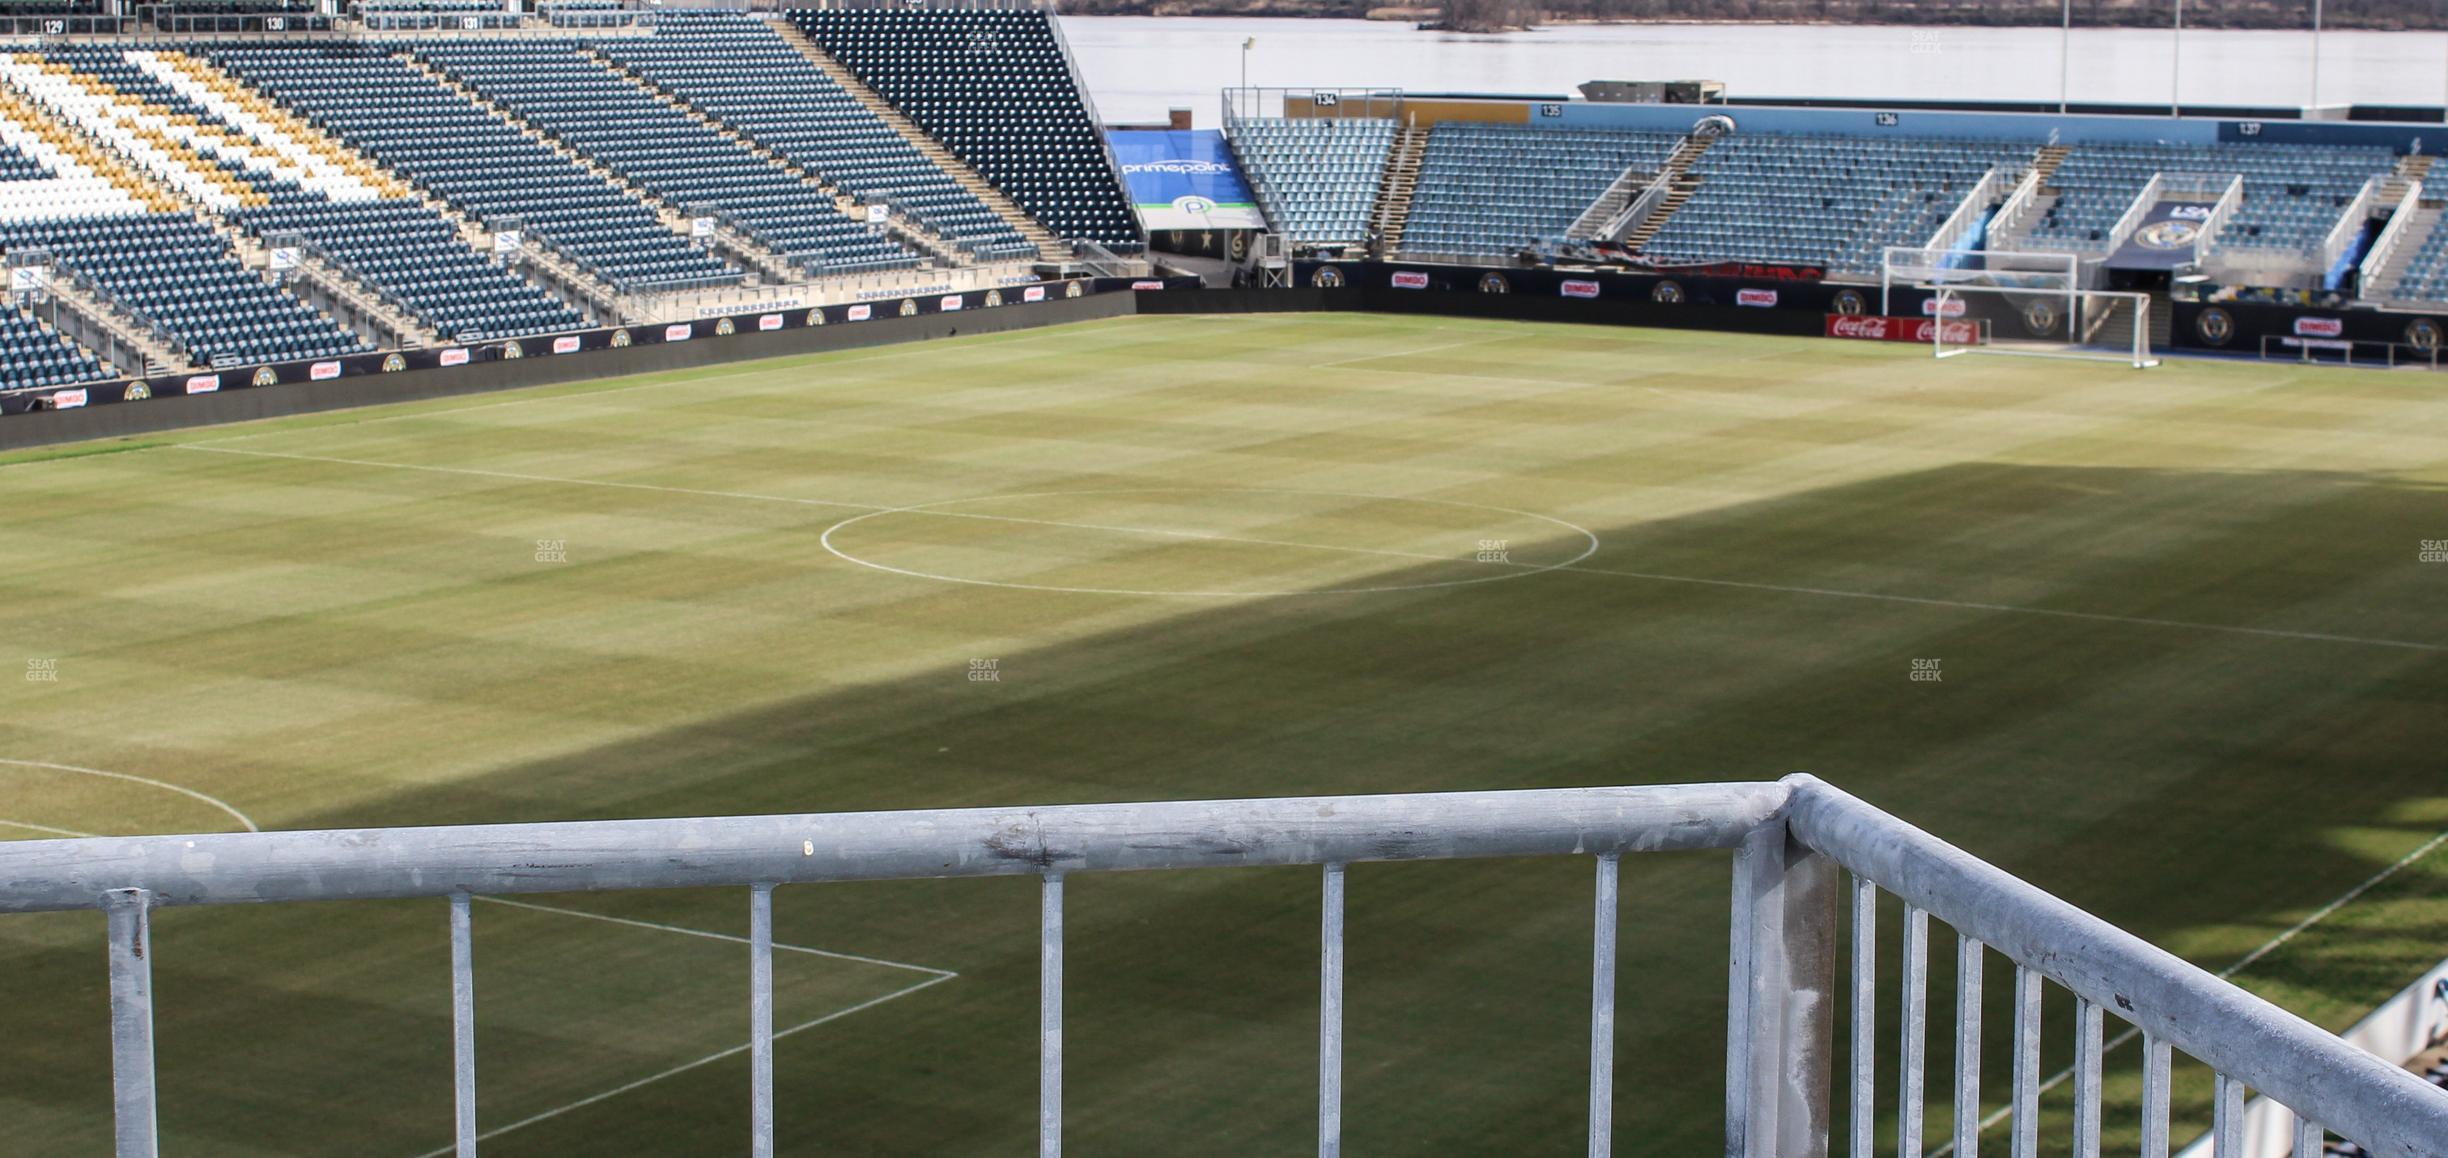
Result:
[{"x": 684, "y": 1067}]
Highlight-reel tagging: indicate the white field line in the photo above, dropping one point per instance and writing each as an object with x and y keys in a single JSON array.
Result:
[
  {"x": 1823, "y": 592},
  {"x": 660, "y": 927},
  {"x": 2272, "y": 945},
  {"x": 147, "y": 781},
  {"x": 45, "y": 828},
  {"x": 1410, "y": 353},
  {"x": 933, "y": 976},
  {"x": 685, "y": 1067}
]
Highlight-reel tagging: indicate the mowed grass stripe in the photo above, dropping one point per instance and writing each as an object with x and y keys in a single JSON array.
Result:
[{"x": 326, "y": 643}]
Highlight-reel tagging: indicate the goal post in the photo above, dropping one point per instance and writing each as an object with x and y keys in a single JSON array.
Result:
[
  {"x": 2086, "y": 325},
  {"x": 2032, "y": 304}
]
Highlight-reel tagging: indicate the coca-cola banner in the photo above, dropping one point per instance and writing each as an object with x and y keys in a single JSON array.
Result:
[{"x": 1874, "y": 328}]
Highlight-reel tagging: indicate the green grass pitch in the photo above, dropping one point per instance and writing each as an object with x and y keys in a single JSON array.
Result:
[{"x": 2193, "y": 676}]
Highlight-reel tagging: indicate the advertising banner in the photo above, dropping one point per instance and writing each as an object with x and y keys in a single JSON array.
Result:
[{"x": 1185, "y": 179}]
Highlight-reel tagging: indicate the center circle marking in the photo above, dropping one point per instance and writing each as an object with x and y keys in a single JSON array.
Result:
[{"x": 1510, "y": 571}]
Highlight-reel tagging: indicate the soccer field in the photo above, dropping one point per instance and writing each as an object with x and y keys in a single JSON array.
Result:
[{"x": 2192, "y": 676}]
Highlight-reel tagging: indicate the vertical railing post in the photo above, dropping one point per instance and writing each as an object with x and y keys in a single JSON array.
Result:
[
  {"x": 1330, "y": 1017},
  {"x": 1780, "y": 998},
  {"x": 760, "y": 1021},
  {"x": 1602, "y": 1009},
  {"x": 463, "y": 1026},
  {"x": 1912, "y": 1055},
  {"x": 1050, "y": 1018},
  {"x": 1863, "y": 1108},
  {"x": 2157, "y": 1058},
  {"x": 1968, "y": 966},
  {"x": 2028, "y": 995},
  {"x": 128, "y": 913}
]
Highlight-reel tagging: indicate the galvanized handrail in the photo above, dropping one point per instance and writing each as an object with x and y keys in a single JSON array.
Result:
[{"x": 1789, "y": 838}]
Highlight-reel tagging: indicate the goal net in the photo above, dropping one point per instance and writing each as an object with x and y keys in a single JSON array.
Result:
[{"x": 2030, "y": 304}]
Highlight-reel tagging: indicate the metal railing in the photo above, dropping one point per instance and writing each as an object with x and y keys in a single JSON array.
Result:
[
  {"x": 1992, "y": 187},
  {"x": 2399, "y": 231},
  {"x": 2348, "y": 227},
  {"x": 1790, "y": 841}
]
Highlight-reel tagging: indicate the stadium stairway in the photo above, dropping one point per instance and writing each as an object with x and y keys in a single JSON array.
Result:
[
  {"x": 121, "y": 338},
  {"x": 1618, "y": 197},
  {"x": 1049, "y": 247},
  {"x": 899, "y": 225},
  {"x": 739, "y": 249},
  {"x": 2009, "y": 233},
  {"x": 1393, "y": 209},
  {"x": 1675, "y": 176},
  {"x": 117, "y": 338},
  {"x": 355, "y": 304}
]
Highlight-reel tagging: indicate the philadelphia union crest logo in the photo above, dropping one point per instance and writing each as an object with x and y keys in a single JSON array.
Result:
[
  {"x": 2423, "y": 334},
  {"x": 621, "y": 339},
  {"x": 1327, "y": 277},
  {"x": 266, "y": 376},
  {"x": 725, "y": 326},
  {"x": 135, "y": 392},
  {"x": 2173, "y": 233},
  {"x": 393, "y": 364},
  {"x": 1849, "y": 303},
  {"x": 1494, "y": 283},
  {"x": 2216, "y": 326},
  {"x": 994, "y": 297},
  {"x": 815, "y": 317},
  {"x": 1667, "y": 293},
  {"x": 1071, "y": 289},
  {"x": 909, "y": 307},
  {"x": 511, "y": 350},
  {"x": 2040, "y": 317}
]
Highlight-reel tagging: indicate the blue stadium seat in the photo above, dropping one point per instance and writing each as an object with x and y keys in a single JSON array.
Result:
[
  {"x": 996, "y": 88},
  {"x": 606, "y": 117},
  {"x": 382, "y": 107},
  {"x": 738, "y": 70},
  {"x": 1316, "y": 176},
  {"x": 1493, "y": 189}
]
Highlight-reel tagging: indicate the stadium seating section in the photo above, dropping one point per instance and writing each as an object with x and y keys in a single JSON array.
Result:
[
  {"x": 996, "y": 88},
  {"x": 409, "y": 122},
  {"x": 739, "y": 71},
  {"x": 1491, "y": 189},
  {"x": 33, "y": 354},
  {"x": 1829, "y": 201},
  {"x": 177, "y": 275},
  {"x": 2293, "y": 193},
  {"x": 1317, "y": 176},
  {"x": 2424, "y": 276},
  {"x": 416, "y": 259},
  {"x": 578, "y": 100},
  {"x": 16, "y": 166}
]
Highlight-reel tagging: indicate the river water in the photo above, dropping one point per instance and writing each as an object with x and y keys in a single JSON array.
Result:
[{"x": 1139, "y": 66}]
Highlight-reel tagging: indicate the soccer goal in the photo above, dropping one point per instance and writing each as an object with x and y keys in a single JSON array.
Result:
[{"x": 2028, "y": 304}]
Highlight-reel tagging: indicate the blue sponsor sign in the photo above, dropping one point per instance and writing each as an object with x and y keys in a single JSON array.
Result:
[{"x": 1185, "y": 179}]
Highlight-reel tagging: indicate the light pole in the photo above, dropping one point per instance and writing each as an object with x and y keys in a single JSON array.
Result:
[
  {"x": 2065, "y": 57},
  {"x": 2176, "y": 64},
  {"x": 2316, "y": 31},
  {"x": 1246, "y": 45}
]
